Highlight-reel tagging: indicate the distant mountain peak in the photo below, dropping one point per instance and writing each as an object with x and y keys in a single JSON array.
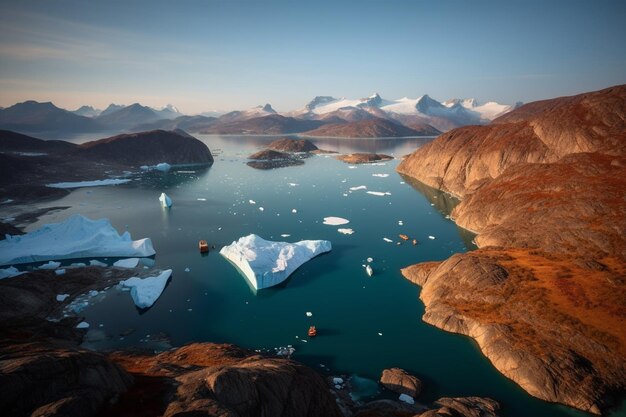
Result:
[
  {"x": 319, "y": 100},
  {"x": 267, "y": 108},
  {"x": 373, "y": 100}
]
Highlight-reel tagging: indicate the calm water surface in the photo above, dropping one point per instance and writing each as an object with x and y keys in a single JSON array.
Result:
[{"x": 365, "y": 323}]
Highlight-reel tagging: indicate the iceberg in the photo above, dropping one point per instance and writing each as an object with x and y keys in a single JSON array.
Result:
[
  {"x": 127, "y": 263},
  {"x": 76, "y": 237},
  {"x": 10, "y": 272},
  {"x": 163, "y": 166},
  {"x": 266, "y": 263},
  {"x": 145, "y": 291},
  {"x": 50, "y": 265},
  {"x": 165, "y": 200}
]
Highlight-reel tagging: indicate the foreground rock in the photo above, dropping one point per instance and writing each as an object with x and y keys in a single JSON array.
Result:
[
  {"x": 363, "y": 158},
  {"x": 265, "y": 263},
  {"x": 543, "y": 188},
  {"x": 400, "y": 381}
]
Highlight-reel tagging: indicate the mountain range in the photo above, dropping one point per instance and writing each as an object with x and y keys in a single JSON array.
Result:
[{"x": 372, "y": 116}]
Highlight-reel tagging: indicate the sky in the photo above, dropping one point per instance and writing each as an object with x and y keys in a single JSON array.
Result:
[{"x": 225, "y": 55}]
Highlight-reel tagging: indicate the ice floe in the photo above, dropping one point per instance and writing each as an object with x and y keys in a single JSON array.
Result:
[
  {"x": 76, "y": 237},
  {"x": 82, "y": 325},
  {"x": 406, "y": 398},
  {"x": 360, "y": 187},
  {"x": 145, "y": 291},
  {"x": 294, "y": 211},
  {"x": 251, "y": 201},
  {"x": 379, "y": 193},
  {"x": 127, "y": 263},
  {"x": 50, "y": 265},
  {"x": 335, "y": 221},
  {"x": 387, "y": 240},
  {"x": 9, "y": 272},
  {"x": 163, "y": 166},
  {"x": 380, "y": 175},
  {"x": 165, "y": 200},
  {"x": 94, "y": 262},
  {"x": 266, "y": 263},
  {"x": 431, "y": 237},
  {"x": 62, "y": 297},
  {"x": 346, "y": 231},
  {"x": 309, "y": 314},
  {"x": 96, "y": 183}
]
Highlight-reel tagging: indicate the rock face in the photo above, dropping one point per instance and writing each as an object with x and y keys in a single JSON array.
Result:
[
  {"x": 149, "y": 148},
  {"x": 373, "y": 128},
  {"x": 543, "y": 187},
  {"x": 269, "y": 155},
  {"x": 400, "y": 381},
  {"x": 211, "y": 379},
  {"x": 363, "y": 158},
  {"x": 464, "y": 407}
]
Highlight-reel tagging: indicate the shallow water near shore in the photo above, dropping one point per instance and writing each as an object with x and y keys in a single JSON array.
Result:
[{"x": 365, "y": 324}]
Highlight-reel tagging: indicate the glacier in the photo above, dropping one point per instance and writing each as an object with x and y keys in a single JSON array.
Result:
[
  {"x": 267, "y": 263},
  {"x": 76, "y": 237}
]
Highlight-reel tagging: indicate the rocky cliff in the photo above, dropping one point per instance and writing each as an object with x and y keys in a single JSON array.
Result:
[{"x": 543, "y": 187}]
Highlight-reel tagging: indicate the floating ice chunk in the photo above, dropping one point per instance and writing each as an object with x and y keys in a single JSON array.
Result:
[
  {"x": 337, "y": 381},
  {"x": 163, "y": 166},
  {"x": 370, "y": 259},
  {"x": 60, "y": 272},
  {"x": 406, "y": 398},
  {"x": 265, "y": 263},
  {"x": 187, "y": 270},
  {"x": 96, "y": 183},
  {"x": 431, "y": 237},
  {"x": 50, "y": 265},
  {"x": 380, "y": 175},
  {"x": 369, "y": 270},
  {"x": 335, "y": 221},
  {"x": 201, "y": 199},
  {"x": 309, "y": 314},
  {"x": 9, "y": 272},
  {"x": 94, "y": 262},
  {"x": 261, "y": 209},
  {"x": 379, "y": 193},
  {"x": 127, "y": 263},
  {"x": 145, "y": 291},
  {"x": 144, "y": 167},
  {"x": 251, "y": 201},
  {"x": 294, "y": 211},
  {"x": 360, "y": 187},
  {"x": 387, "y": 240},
  {"x": 77, "y": 237},
  {"x": 78, "y": 264},
  {"x": 400, "y": 223},
  {"x": 93, "y": 293},
  {"x": 285, "y": 235},
  {"x": 351, "y": 167},
  {"x": 346, "y": 231},
  {"x": 380, "y": 334},
  {"x": 293, "y": 184},
  {"x": 165, "y": 200},
  {"x": 82, "y": 325},
  {"x": 62, "y": 297}
]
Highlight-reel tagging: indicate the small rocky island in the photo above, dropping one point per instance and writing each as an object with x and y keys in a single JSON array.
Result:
[
  {"x": 283, "y": 153},
  {"x": 364, "y": 158}
]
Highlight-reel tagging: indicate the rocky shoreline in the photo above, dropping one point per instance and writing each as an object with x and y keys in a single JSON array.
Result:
[{"x": 544, "y": 297}]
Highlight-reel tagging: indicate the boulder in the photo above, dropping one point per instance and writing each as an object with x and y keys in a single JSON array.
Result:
[{"x": 400, "y": 381}]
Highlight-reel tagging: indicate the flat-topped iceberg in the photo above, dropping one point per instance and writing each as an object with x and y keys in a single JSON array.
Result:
[
  {"x": 145, "y": 291},
  {"x": 266, "y": 263},
  {"x": 76, "y": 237}
]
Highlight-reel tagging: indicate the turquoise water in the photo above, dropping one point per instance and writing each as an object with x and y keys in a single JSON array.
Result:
[{"x": 365, "y": 324}]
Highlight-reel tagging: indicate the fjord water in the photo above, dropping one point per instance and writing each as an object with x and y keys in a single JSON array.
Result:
[{"x": 365, "y": 324}]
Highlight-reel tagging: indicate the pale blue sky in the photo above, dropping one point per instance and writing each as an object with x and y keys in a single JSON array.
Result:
[{"x": 204, "y": 55}]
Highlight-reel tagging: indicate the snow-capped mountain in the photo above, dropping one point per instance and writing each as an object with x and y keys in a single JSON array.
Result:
[
  {"x": 487, "y": 111},
  {"x": 167, "y": 112},
  {"x": 87, "y": 111},
  {"x": 258, "y": 111}
]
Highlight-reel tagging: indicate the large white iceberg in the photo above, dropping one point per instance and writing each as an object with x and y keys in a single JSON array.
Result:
[
  {"x": 145, "y": 291},
  {"x": 76, "y": 237},
  {"x": 165, "y": 200},
  {"x": 265, "y": 263}
]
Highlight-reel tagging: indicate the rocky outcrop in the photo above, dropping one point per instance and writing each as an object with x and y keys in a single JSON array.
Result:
[
  {"x": 292, "y": 145},
  {"x": 373, "y": 128},
  {"x": 543, "y": 187},
  {"x": 363, "y": 158},
  {"x": 268, "y": 155},
  {"x": 149, "y": 148},
  {"x": 443, "y": 407},
  {"x": 400, "y": 381}
]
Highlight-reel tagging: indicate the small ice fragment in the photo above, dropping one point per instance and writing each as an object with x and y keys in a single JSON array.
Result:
[
  {"x": 345, "y": 195},
  {"x": 346, "y": 231},
  {"x": 187, "y": 269},
  {"x": 360, "y": 187},
  {"x": 406, "y": 398},
  {"x": 337, "y": 386},
  {"x": 93, "y": 293},
  {"x": 387, "y": 240},
  {"x": 380, "y": 175},
  {"x": 201, "y": 199},
  {"x": 370, "y": 259},
  {"x": 309, "y": 314},
  {"x": 352, "y": 167},
  {"x": 9, "y": 272},
  {"x": 127, "y": 263},
  {"x": 82, "y": 325},
  {"x": 50, "y": 265},
  {"x": 369, "y": 270},
  {"x": 335, "y": 221},
  {"x": 251, "y": 201},
  {"x": 62, "y": 297},
  {"x": 285, "y": 235},
  {"x": 94, "y": 262},
  {"x": 400, "y": 223},
  {"x": 431, "y": 237},
  {"x": 293, "y": 184},
  {"x": 165, "y": 200},
  {"x": 163, "y": 166},
  {"x": 294, "y": 210},
  {"x": 337, "y": 381},
  {"x": 380, "y": 334},
  {"x": 379, "y": 193},
  {"x": 60, "y": 272},
  {"x": 261, "y": 209}
]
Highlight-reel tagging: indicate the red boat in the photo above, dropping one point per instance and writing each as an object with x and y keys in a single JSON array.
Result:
[{"x": 312, "y": 331}]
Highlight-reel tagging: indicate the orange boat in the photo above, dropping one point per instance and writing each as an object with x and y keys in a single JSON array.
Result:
[
  {"x": 404, "y": 237},
  {"x": 414, "y": 241},
  {"x": 203, "y": 246},
  {"x": 312, "y": 331}
]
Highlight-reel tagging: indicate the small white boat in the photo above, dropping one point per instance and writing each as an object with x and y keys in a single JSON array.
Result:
[{"x": 369, "y": 270}]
